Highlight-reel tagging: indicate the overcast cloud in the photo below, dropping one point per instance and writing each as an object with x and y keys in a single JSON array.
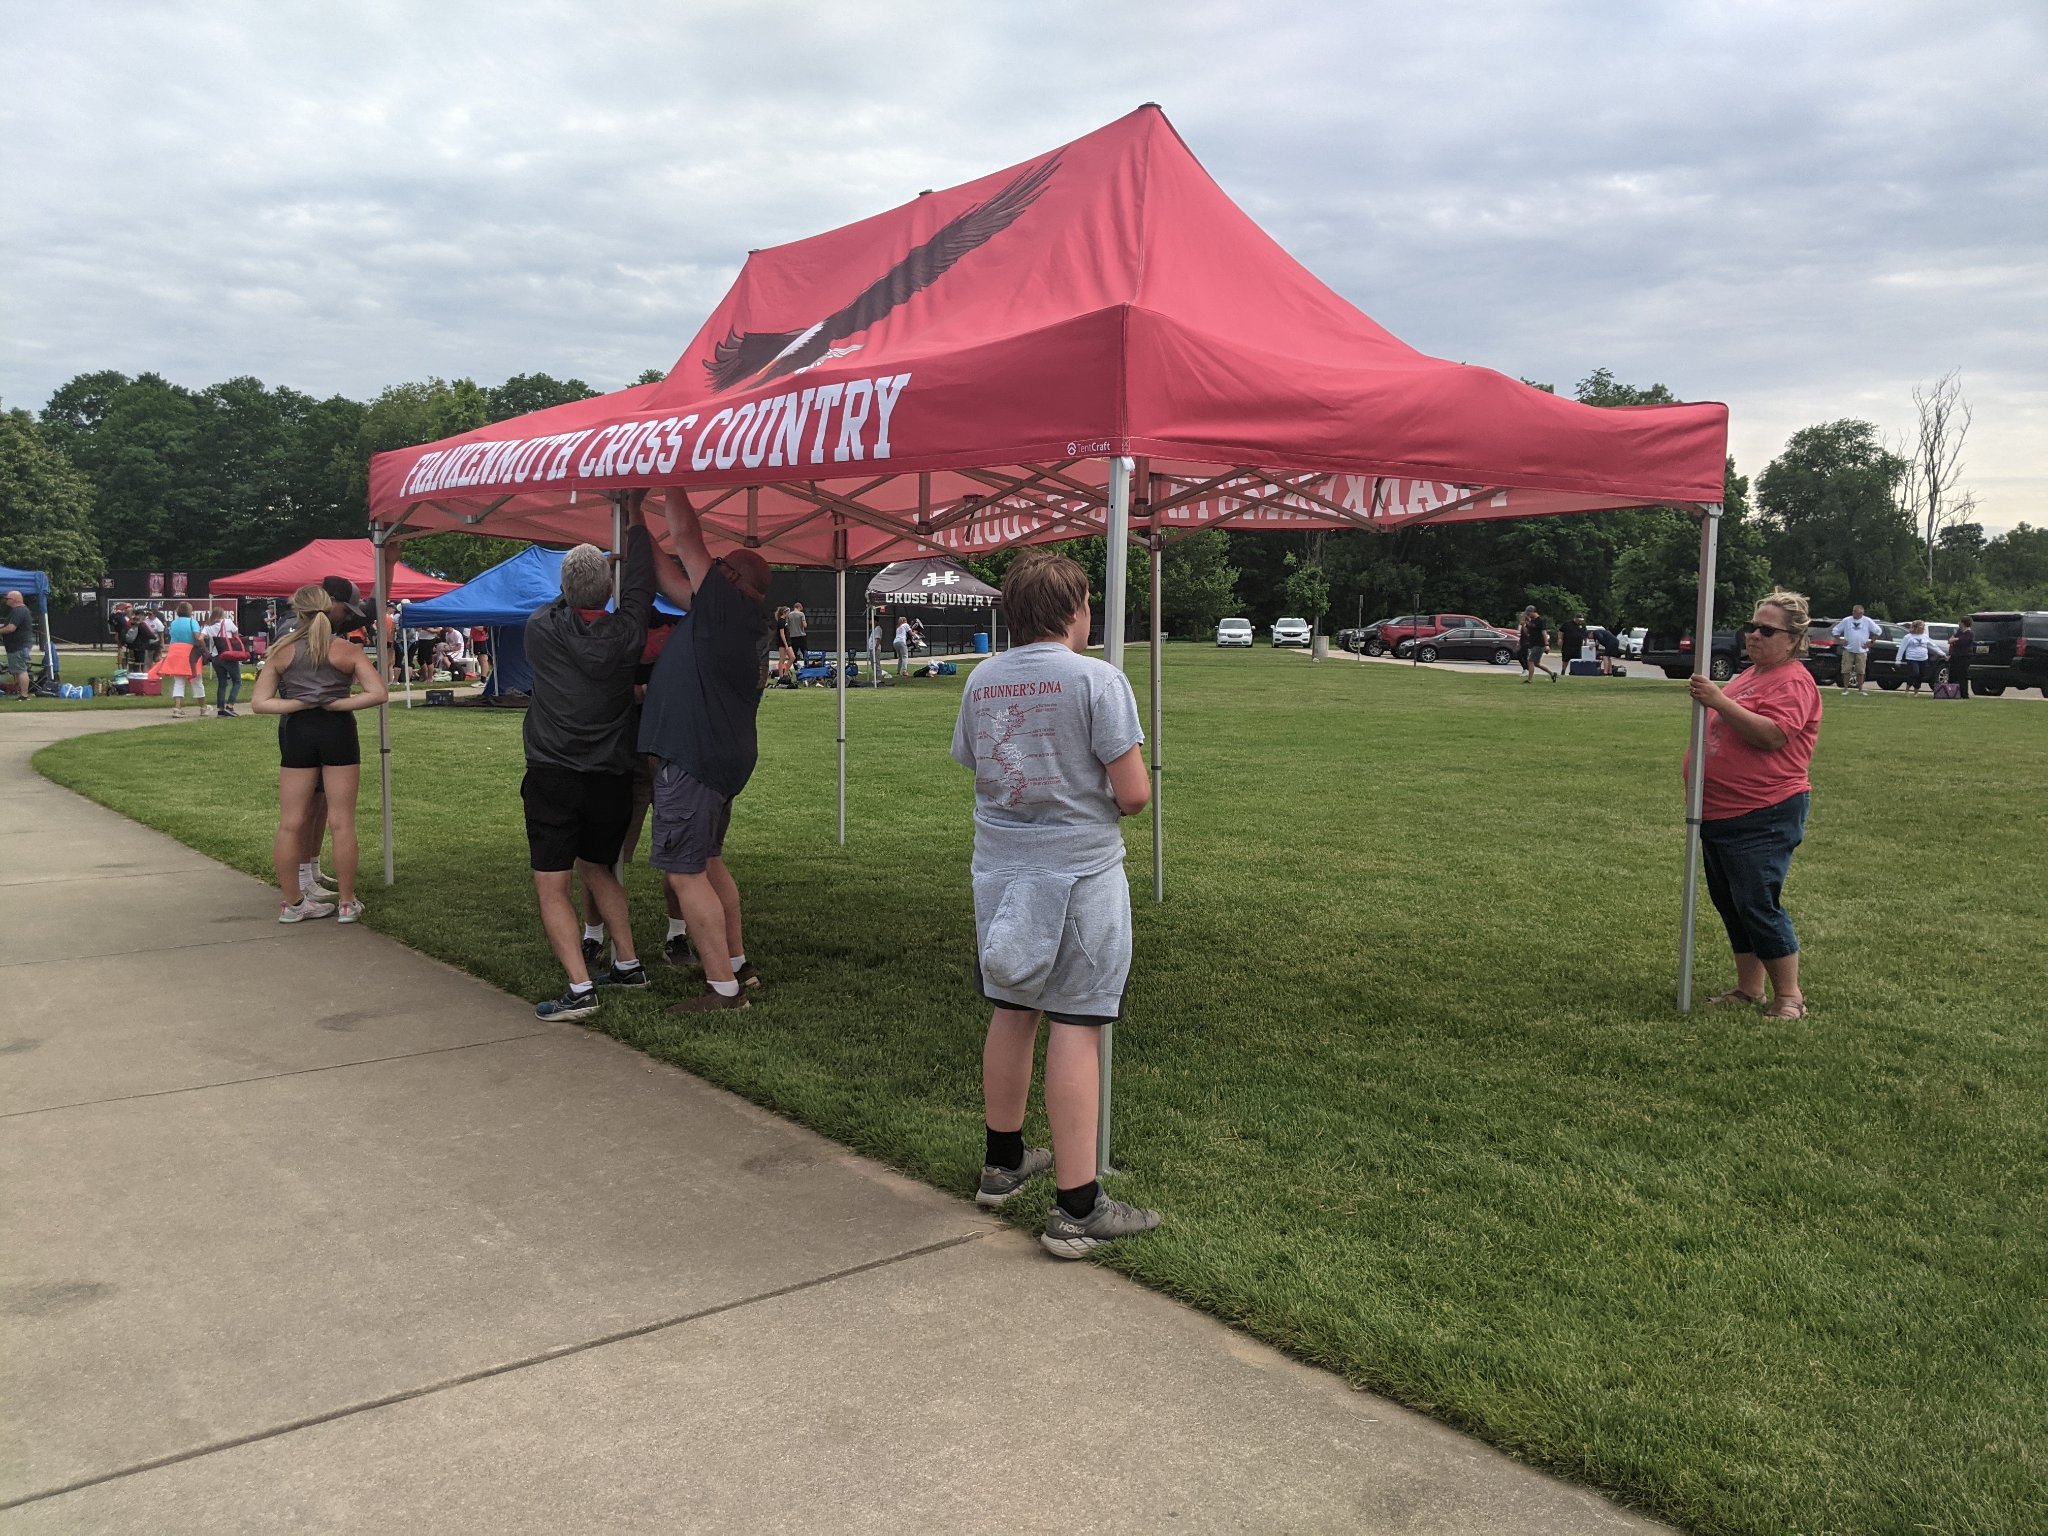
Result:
[{"x": 1800, "y": 209}]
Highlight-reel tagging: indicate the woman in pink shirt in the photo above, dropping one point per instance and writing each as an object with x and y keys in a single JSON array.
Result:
[{"x": 1760, "y": 733}]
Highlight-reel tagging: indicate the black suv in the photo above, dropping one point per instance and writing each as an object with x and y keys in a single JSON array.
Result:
[
  {"x": 2012, "y": 652},
  {"x": 1673, "y": 653}
]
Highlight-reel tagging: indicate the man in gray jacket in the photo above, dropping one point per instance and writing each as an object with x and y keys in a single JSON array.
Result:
[{"x": 580, "y": 743}]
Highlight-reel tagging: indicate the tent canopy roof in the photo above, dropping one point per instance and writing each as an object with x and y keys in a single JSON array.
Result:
[
  {"x": 355, "y": 559},
  {"x": 933, "y": 579},
  {"x": 507, "y": 593},
  {"x": 27, "y": 583},
  {"x": 955, "y": 373}
]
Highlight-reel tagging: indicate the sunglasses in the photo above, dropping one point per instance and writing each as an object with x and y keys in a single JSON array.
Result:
[{"x": 1768, "y": 631}]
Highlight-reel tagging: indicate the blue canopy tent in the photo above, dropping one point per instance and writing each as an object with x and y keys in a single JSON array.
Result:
[
  {"x": 35, "y": 587},
  {"x": 501, "y": 600}
]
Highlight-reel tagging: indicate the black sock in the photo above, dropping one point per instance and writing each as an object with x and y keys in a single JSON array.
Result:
[
  {"x": 1005, "y": 1149},
  {"x": 1079, "y": 1202}
]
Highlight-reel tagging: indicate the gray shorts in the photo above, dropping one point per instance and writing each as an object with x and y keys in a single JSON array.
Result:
[
  {"x": 1054, "y": 943},
  {"x": 18, "y": 662},
  {"x": 690, "y": 821}
]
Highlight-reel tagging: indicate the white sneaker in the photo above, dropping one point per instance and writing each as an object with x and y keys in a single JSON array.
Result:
[
  {"x": 349, "y": 912},
  {"x": 306, "y": 908}
]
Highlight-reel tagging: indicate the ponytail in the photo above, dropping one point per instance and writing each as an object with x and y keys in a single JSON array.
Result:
[{"x": 314, "y": 630}]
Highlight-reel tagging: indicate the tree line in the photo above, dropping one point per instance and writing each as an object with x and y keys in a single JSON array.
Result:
[{"x": 140, "y": 472}]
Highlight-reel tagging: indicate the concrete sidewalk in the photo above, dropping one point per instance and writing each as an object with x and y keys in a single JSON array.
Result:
[{"x": 304, "y": 1231}]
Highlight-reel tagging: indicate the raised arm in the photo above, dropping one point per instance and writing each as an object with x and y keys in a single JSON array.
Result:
[
  {"x": 686, "y": 535},
  {"x": 673, "y": 581}
]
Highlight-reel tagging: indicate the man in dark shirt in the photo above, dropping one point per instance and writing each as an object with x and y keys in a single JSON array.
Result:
[
  {"x": 18, "y": 629},
  {"x": 1571, "y": 641},
  {"x": 698, "y": 722},
  {"x": 578, "y": 789}
]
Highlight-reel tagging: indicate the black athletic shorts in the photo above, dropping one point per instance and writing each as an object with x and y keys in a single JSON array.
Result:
[
  {"x": 571, "y": 816},
  {"x": 318, "y": 738}
]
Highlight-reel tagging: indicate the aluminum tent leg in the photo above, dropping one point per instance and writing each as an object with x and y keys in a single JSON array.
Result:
[
  {"x": 618, "y": 549},
  {"x": 839, "y": 674},
  {"x": 1696, "y": 779},
  {"x": 1158, "y": 815},
  {"x": 379, "y": 536},
  {"x": 1119, "y": 538}
]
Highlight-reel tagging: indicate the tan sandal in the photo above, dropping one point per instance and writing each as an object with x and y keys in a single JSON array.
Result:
[
  {"x": 1735, "y": 997},
  {"x": 1787, "y": 1008}
]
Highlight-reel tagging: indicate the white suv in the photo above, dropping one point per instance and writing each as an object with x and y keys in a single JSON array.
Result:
[
  {"x": 1290, "y": 632},
  {"x": 1234, "y": 632}
]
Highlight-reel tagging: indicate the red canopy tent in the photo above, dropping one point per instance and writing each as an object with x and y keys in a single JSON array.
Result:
[
  {"x": 1095, "y": 336},
  {"x": 355, "y": 559}
]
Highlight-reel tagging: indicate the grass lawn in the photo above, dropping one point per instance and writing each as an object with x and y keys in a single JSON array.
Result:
[{"x": 1401, "y": 1065}]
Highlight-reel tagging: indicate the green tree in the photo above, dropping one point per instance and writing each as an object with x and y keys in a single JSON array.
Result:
[
  {"x": 407, "y": 415},
  {"x": 77, "y": 408},
  {"x": 1197, "y": 583},
  {"x": 142, "y": 457},
  {"x": 651, "y": 376},
  {"x": 526, "y": 392},
  {"x": 457, "y": 556},
  {"x": 2015, "y": 565},
  {"x": 1656, "y": 579},
  {"x": 45, "y": 511},
  {"x": 325, "y": 474},
  {"x": 1832, "y": 525},
  {"x": 1307, "y": 589}
]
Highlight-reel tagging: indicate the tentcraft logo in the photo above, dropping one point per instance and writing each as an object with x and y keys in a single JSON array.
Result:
[{"x": 756, "y": 357}]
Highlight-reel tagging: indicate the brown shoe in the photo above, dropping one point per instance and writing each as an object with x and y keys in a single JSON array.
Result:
[{"x": 709, "y": 1001}]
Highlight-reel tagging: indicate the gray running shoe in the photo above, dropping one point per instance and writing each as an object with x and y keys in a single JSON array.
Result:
[
  {"x": 570, "y": 1005},
  {"x": 998, "y": 1184},
  {"x": 1066, "y": 1238}
]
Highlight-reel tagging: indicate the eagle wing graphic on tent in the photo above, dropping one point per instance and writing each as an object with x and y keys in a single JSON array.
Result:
[{"x": 758, "y": 356}]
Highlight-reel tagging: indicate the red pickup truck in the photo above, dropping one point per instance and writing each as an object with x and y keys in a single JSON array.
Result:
[{"x": 1380, "y": 639}]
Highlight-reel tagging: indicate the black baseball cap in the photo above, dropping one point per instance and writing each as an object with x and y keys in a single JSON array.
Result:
[{"x": 344, "y": 592}]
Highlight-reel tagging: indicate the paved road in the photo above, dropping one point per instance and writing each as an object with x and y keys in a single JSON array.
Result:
[{"x": 302, "y": 1231}]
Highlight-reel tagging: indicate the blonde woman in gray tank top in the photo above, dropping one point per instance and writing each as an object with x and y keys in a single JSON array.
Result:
[{"x": 306, "y": 681}]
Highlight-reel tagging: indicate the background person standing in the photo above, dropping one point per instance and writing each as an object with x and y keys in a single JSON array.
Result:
[
  {"x": 1532, "y": 639},
  {"x": 1571, "y": 641},
  {"x": 1962, "y": 649},
  {"x": 184, "y": 662},
  {"x": 1856, "y": 633},
  {"x": 1915, "y": 654},
  {"x": 18, "y": 628}
]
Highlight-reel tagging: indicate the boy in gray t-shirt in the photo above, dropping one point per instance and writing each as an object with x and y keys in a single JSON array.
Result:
[{"x": 1053, "y": 738}]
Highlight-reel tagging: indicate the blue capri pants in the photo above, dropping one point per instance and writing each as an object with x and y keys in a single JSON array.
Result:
[{"x": 1747, "y": 858}]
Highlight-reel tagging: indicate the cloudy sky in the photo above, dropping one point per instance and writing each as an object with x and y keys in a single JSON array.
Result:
[{"x": 1799, "y": 208}]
